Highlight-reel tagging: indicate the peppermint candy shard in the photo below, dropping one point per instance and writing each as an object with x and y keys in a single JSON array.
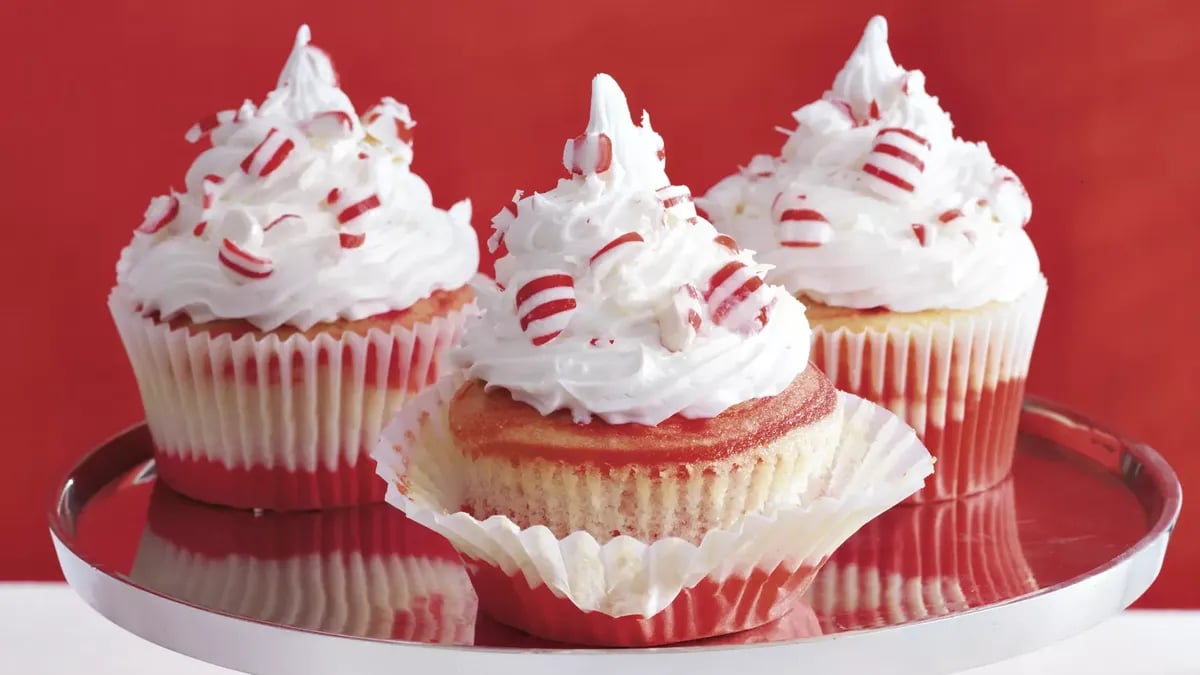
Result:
[
  {"x": 358, "y": 208},
  {"x": 390, "y": 123},
  {"x": 947, "y": 216},
  {"x": 205, "y": 126},
  {"x": 738, "y": 299},
  {"x": 588, "y": 154},
  {"x": 279, "y": 220},
  {"x": 545, "y": 305},
  {"x": 895, "y": 165},
  {"x": 160, "y": 213},
  {"x": 922, "y": 233},
  {"x": 804, "y": 228},
  {"x": 351, "y": 240},
  {"x": 727, "y": 241},
  {"x": 331, "y": 124},
  {"x": 244, "y": 263},
  {"x": 210, "y": 185},
  {"x": 268, "y": 155},
  {"x": 627, "y": 238},
  {"x": 677, "y": 200},
  {"x": 845, "y": 108},
  {"x": 680, "y": 320},
  {"x": 760, "y": 166}
]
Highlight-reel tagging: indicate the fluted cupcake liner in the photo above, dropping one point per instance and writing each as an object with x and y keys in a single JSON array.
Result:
[
  {"x": 627, "y": 592},
  {"x": 959, "y": 380},
  {"x": 920, "y": 561},
  {"x": 364, "y": 572},
  {"x": 276, "y": 423}
]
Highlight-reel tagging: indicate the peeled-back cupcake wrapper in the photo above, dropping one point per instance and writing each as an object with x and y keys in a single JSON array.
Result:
[
  {"x": 916, "y": 562},
  {"x": 880, "y": 462},
  {"x": 958, "y": 381},
  {"x": 295, "y": 410},
  {"x": 388, "y": 596}
]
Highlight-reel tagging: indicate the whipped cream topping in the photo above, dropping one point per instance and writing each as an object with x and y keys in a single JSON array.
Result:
[
  {"x": 616, "y": 300},
  {"x": 300, "y": 212},
  {"x": 875, "y": 203}
]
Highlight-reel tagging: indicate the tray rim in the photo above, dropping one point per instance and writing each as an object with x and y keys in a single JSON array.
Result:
[{"x": 1158, "y": 470}]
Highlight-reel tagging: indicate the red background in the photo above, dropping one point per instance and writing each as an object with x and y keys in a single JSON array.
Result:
[{"x": 1092, "y": 103}]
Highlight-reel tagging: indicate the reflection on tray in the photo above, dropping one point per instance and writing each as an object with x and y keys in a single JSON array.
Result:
[
  {"x": 801, "y": 622},
  {"x": 915, "y": 562},
  {"x": 363, "y": 572}
]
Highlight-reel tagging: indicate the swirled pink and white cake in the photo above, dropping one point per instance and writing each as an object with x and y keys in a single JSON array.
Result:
[
  {"x": 907, "y": 245},
  {"x": 299, "y": 288}
]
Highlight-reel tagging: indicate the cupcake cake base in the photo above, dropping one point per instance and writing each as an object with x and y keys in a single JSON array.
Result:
[
  {"x": 957, "y": 377},
  {"x": 623, "y": 591},
  {"x": 683, "y": 476},
  {"x": 286, "y": 419}
]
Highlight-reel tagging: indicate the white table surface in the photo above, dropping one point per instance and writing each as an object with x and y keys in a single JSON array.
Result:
[{"x": 45, "y": 629}]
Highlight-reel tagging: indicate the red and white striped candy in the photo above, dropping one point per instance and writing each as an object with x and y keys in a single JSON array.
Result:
[
  {"x": 923, "y": 234},
  {"x": 727, "y": 242},
  {"x": 622, "y": 243},
  {"x": 390, "y": 123},
  {"x": 268, "y": 155},
  {"x": 949, "y": 215},
  {"x": 211, "y": 184},
  {"x": 896, "y": 163},
  {"x": 349, "y": 211},
  {"x": 285, "y": 218},
  {"x": 738, "y": 299},
  {"x": 205, "y": 126},
  {"x": 545, "y": 305},
  {"x": 680, "y": 320},
  {"x": 329, "y": 125},
  {"x": 799, "y": 225},
  {"x": 351, "y": 239},
  {"x": 677, "y": 201},
  {"x": 588, "y": 154},
  {"x": 159, "y": 213},
  {"x": 242, "y": 262}
]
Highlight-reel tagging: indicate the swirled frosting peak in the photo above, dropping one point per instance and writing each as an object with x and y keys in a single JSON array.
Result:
[
  {"x": 873, "y": 202},
  {"x": 299, "y": 211},
  {"x": 617, "y": 300}
]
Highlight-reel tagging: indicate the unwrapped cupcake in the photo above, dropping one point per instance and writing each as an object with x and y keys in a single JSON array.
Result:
[
  {"x": 638, "y": 451},
  {"x": 361, "y": 572},
  {"x": 907, "y": 245},
  {"x": 286, "y": 302}
]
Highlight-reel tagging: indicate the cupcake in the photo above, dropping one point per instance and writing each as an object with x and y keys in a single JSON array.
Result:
[
  {"x": 360, "y": 572},
  {"x": 637, "y": 450},
  {"x": 907, "y": 246},
  {"x": 922, "y": 561},
  {"x": 281, "y": 307}
]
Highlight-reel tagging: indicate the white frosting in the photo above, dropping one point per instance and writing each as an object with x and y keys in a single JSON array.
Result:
[
  {"x": 273, "y": 249},
  {"x": 869, "y": 254},
  {"x": 609, "y": 359}
]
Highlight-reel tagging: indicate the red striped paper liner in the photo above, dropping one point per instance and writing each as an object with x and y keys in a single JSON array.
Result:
[
  {"x": 276, "y": 424},
  {"x": 959, "y": 382},
  {"x": 925, "y": 560},
  {"x": 627, "y": 592},
  {"x": 362, "y": 572}
]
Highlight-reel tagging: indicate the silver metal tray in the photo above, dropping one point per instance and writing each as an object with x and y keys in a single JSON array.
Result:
[{"x": 1076, "y": 535}]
